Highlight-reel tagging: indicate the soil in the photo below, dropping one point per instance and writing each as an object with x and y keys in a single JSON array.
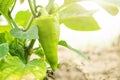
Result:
[{"x": 103, "y": 64}]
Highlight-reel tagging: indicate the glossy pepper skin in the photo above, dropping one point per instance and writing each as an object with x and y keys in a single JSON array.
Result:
[{"x": 49, "y": 31}]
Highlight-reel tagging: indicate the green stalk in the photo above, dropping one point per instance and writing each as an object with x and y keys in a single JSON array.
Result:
[
  {"x": 12, "y": 21},
  {"x": 29, "y": 23},
  {"x": 27, "y": 51},
  {"x": 13, "y": 6},
  {"x": 34, "y": 5},
  {"x": 31, "y": 44},
  {"x": 31, "y": 8}
]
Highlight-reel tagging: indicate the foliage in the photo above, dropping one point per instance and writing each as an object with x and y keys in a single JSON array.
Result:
[{"x": 18, "y": 37}]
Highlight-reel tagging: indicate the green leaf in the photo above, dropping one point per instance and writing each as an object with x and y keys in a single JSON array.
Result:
[
  {"x": 39, "y": 51},
  {"x": 12, "y": 68},
  {"x": 8, "y": 37},
  {"x": 5, "y": 6},
  {"x": 64, "y": 43},
  {"x": 3, "y": 49},
  {"x": 2, "y": 38},
  {"x": 32, "y": 33},
  {"x": 4, "y": 28},
  {"x": 81, "y": 23},
  {"x": 78, "y": 18},
  {"x": 22, "y": 18},
  {"x": 17, "y": 49}
]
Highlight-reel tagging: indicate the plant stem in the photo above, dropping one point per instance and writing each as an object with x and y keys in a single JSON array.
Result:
[
  {"x": 13, "y": 22},
  {"x": 31, "y": 44},
  {"x": 34, "y": 5},
  {"x": 13, "y": 6},
  {"x": 8, "y": 20},
  {"x": 27, "y": 51},
  {"x": 29, "y": 23},
  {"x": 49, "y": 6},
  {"x": 31, "y": 8}
]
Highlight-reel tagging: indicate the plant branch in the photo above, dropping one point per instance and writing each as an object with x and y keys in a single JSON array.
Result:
[
  {"x": 12, "y": 21},
  {"x": 27, "y": 50},
  {"x": 31, "y": 44},
  {"x": 29, "y": 23},
  {"x": 31, "y": 8},
  {"x": 34, "y": 5},
  {"x": 13, "y": 6}
]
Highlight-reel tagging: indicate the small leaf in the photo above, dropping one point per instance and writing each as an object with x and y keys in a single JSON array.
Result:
[
  {"x": 64, "y": 43},
  {"x": 12, "y": 68},
  {"x": 32, "y": 33},
  {"x": 22, "y": 18},
  {"x": 78, "y": 18},
  {"x": 3, "y": 49}
]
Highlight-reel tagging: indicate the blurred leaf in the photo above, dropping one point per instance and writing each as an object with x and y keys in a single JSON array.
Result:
[
  {"x": 3, "y": 49},
  {"x": 71, "y": 1},
  {"x": 5, "y": 6},
  {"x": 22, "y": 18},
  {"x": 75, "y": 10},
  {"x": 112, "y": 9},
  {"x": 78, "y": 18},
  {"x": 114, "y": 2},
  {"x": 8, "y": 37},
  {"x": 12, "y": 68},
  {"x": 21, "y": 1},
  {"x": 4, "y": 28},
  {"x": 64, "y": 43},
  {"x": 32, "y": 33},
  {"x": 108, "y": 6},
  {"x": 81, "y": 23}
]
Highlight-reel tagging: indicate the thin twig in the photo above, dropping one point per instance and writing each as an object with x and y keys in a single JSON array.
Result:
[{"x": 31, "y": 8}]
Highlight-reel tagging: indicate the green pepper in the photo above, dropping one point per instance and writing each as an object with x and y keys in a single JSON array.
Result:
[{"x": 49, "y": 31}]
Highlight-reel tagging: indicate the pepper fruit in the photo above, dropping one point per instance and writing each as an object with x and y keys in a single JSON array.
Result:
[{"x": 49, "y": 31}]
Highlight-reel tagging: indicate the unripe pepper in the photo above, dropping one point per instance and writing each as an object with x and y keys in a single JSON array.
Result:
[{"x": 49, "y": 31}]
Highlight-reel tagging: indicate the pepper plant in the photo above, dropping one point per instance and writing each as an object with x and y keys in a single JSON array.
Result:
[{"x": 41, "y": 23}]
